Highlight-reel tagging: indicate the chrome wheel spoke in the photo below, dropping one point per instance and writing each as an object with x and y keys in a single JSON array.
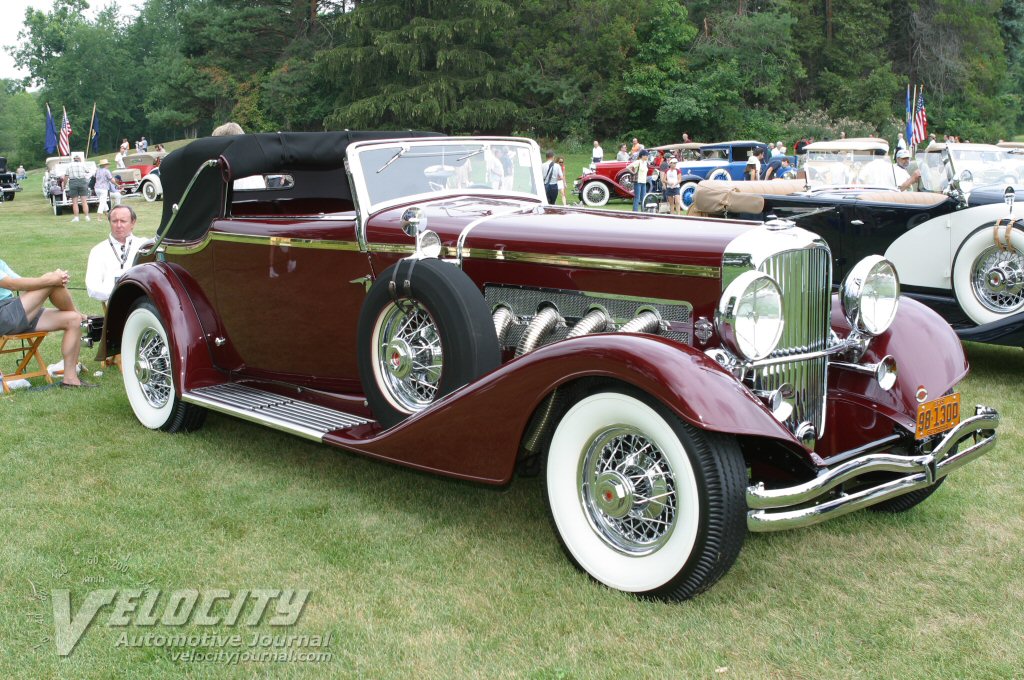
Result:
[
  {"x": 153, "y": 368},
  {"x": 997, "y": 279},
  {"x": 410, "y": 360},
  {"x": 628, "y": 490}
]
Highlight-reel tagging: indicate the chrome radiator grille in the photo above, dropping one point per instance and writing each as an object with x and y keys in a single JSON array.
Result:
[{"x": 805, "y": 277}]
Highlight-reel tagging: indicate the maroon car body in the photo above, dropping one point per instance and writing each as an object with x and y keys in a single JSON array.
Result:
[{"x": 416, "y": 300}]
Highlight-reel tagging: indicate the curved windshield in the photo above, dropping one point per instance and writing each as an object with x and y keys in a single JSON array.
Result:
[
  {"x": 848, "y": 167},
  {"x": 407, "y": 169},
  {"x": 986, "y": 166},
  {"x": 973, "y": 167}
]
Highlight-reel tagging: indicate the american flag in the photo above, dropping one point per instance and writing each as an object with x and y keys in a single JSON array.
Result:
[
  {"x": 920, "y": 121},
  {"x": 64, "y": 145}
]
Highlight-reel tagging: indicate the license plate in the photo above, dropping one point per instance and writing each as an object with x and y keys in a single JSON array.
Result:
[{"x": 937, "y": 415}]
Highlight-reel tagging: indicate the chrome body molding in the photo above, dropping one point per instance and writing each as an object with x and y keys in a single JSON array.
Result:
[
  {"x": 817, "y": 500},
  {"x": 585, "y": 262},
  {"x": 449, "y": 252},
  {"x": 464, "y": 234},
  {"x": 254, "y": 239}
]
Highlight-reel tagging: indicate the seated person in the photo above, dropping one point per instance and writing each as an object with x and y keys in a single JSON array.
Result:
[
  {"x": 26, "y": 314},
  {"x": 111, "y": 257},
  {"x": 876, "y": 173}
]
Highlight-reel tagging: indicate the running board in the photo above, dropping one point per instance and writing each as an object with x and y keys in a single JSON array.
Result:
[{"x": 273, "y": 410}]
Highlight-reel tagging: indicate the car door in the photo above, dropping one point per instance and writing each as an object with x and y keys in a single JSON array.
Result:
[{"x": 289, "y": 293}]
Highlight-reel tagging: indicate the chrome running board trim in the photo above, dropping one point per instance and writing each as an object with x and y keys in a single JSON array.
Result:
[
  {"x": 273, "y": 410},
  {"x": 768, "y": 507}
]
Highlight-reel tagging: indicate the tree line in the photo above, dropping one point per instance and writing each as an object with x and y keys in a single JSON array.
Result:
[{"x": 568, "y": 71}]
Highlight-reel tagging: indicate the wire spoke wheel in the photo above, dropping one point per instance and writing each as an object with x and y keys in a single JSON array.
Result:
[
  {"x": 997, "y": 279},
  {"x": 409, "y": 358},
  {"x": 153, "y": 368},
  {"x": 628, "y": 489}
]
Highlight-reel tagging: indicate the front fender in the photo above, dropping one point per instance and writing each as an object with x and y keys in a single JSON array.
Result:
[
  {"x": 482, "y": 424},
  {"x": 190, "y": 352},
  {"x": 928, "y": 354}
]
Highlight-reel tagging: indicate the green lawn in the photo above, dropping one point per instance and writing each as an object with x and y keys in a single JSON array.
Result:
[{"x": 416, "y": 576}]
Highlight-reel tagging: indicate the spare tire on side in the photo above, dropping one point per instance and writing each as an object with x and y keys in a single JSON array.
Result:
[{"x": 424, "y": 331}]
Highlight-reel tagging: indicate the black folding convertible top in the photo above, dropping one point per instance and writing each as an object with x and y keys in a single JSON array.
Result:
[{"x": 247, "y": 155}]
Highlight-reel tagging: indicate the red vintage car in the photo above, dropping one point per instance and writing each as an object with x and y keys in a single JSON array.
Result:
[{"x": 415, "y": 299}]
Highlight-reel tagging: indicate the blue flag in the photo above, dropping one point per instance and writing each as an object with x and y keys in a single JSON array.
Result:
[
  {"x": 51, "y": 132},
  {"x": 910, "y": 119},
  {"x": 95, "y": 133}
]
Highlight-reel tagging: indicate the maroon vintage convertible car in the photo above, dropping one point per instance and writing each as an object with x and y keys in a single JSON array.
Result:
[{"x": 412, "y": 297}]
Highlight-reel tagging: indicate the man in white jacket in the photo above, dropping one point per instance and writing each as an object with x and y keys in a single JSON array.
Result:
[{"x": 113, "y": 256}]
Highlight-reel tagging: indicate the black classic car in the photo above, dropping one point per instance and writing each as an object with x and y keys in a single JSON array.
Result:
[
  {"x": 8, "y": 182},
  {"x": 958, "y": 244}
]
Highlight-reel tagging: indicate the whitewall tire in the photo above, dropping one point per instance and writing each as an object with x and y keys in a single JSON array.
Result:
[
  {"x": 686, "y": 193},
  {"x": 988, "y": 275},
  {"x": 641, "y": 501},
  {"x": 147, "y": 368},
  {"x": 149, "y": 191},
  {"x": 595, "y": 194}
]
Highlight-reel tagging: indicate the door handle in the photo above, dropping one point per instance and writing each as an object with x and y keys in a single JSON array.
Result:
[{"x": 857, "y": 223}]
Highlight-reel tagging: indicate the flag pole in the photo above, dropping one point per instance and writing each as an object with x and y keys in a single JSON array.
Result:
[{"x": 88, "y": 140}]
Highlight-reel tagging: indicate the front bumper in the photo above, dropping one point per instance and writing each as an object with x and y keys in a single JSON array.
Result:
[{"x": 814, "y": 501}]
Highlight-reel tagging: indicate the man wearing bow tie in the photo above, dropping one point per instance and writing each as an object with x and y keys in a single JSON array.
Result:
[{"x": 112, "y": 257}]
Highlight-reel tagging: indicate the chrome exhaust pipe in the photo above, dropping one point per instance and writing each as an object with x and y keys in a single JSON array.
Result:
[
  {"x": 503, "y": 318},
  {"x": 594, "y": 322},
  {"x": 539, "y": 328},
  {"x": 644, "y": 322}
]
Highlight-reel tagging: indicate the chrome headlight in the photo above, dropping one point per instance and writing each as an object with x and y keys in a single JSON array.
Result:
[
  {"x": 749, "y": 316},
  {"x": 871, "y": 295}
]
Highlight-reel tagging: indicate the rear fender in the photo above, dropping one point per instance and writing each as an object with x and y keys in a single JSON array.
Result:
[
  {"x": 482, "y": 424},
  {"x": 190, "y": 351}
]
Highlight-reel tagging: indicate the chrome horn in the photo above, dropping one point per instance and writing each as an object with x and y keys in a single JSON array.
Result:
[{"x": 884, "y": 372}]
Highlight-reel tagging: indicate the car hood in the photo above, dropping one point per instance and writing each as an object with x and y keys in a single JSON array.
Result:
[{"x": 512, "y": 229}]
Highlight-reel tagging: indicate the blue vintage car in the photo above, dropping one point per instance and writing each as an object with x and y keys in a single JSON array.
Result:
[{"x": 720, "y": 161}]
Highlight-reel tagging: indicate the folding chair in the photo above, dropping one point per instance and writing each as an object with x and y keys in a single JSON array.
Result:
[{"x": 28, "y": 347}]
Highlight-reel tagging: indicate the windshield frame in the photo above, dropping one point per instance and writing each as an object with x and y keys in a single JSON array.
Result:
[{"x": 355, "y": 165}]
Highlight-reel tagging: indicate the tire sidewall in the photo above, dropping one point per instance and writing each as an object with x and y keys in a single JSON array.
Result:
[
  {"x": 584, "y": 194},
  {"x": 686, "y": 192},
  {"x": 141, "y": 317},
  {"x": 963, "y": 264},
  {"x": 637, "y": 574},
  {"x": 720, "y": 175},
  {"x": 149, "y": 192}
]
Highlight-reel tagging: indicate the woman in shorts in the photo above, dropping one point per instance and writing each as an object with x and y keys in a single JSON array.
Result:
[{"x": 672, "y": 188}]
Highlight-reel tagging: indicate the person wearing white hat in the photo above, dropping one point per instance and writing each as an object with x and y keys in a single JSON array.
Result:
[
  {"x": 907, "y": 173},
  {"x": 105, "y": 186}
]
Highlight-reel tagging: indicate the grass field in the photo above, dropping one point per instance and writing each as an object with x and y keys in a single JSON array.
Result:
[{"x": 416, "y": 576}]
